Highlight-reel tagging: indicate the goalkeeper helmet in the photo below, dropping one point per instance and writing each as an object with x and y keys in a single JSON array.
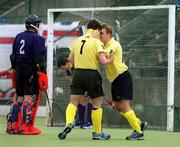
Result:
[{"x": 32, "y": 21}]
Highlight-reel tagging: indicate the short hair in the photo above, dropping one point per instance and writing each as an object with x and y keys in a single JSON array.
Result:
[
  {"x": 93, "y": 24},
  {"x": 108, "y": 28},
  {"x": 62, "y": 61}
]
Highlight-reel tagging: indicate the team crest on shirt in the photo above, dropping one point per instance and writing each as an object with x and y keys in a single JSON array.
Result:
[{"x": 110, "y": 52}]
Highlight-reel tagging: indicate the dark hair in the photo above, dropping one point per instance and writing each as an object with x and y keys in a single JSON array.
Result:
[
  {"x": 107, "y": 28},
  {"x": 62, "y": 61},
  {"x": 93, "y": 24}
]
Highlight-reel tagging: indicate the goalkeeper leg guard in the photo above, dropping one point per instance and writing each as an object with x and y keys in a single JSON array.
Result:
[
  {"x": 14, "y": 117},
  {"x": 29, "y": 111}
]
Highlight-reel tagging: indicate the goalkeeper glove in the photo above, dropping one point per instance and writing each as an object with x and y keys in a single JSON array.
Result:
[{"x": 43, "y": 81}]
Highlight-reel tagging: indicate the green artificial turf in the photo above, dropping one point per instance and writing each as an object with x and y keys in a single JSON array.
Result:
[{"x": 82, "y": 138}]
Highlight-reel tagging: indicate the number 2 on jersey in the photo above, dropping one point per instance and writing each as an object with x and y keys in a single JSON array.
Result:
[
  {"x": 22, "y": 47},
  {"x": 83, "y": 42}
]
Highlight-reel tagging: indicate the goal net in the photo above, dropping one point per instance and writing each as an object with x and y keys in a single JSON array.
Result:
[{"x": 146, "y": 34}]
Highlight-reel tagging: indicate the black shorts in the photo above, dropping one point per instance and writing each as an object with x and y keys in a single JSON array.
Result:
[
  {"x": 87, "y": 80},
  {"x": 26, "y": 79},
  {"x": 122, "y": 87}
]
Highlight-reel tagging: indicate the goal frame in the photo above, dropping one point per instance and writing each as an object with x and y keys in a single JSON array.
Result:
[{"x": 171, "y": 49}]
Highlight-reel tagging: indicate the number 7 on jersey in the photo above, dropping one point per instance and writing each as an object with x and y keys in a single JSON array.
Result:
[{"x": 83, "y": 42}]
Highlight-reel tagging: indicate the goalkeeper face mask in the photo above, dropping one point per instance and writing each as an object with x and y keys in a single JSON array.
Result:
[{"x": 40, "y": 29}]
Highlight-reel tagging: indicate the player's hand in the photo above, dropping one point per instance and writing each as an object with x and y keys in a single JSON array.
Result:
[{"x": 111, "y": 58}]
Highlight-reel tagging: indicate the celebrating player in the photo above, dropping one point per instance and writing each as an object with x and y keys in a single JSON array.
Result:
[
  {"x": 121, "y": 83},
  {"x": 85, "y": 55}
]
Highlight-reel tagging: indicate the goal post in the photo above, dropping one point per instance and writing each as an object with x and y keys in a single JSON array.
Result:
[
  {"x": 171, "y": 63},
  {"x": 112, "y": 16}
]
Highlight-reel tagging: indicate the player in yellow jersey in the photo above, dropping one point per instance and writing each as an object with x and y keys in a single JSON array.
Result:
[
  {"x": 81, "y": 121},
  {"x": 86, "y": 53},
  {"x": 121, "y": 83}
]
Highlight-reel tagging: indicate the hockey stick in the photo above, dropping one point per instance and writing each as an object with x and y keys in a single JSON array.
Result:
[
  {"x": 50, "y": 114},
  {"x": 8, "y": 102},
  {"x": 109, "y": 102},
  {"x": 50, "y": 110}
]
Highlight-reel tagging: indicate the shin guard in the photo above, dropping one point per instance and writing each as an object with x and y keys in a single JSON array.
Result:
[
  {"x": 29, "y": 111},
  {"x": 14, "y": 118}
]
